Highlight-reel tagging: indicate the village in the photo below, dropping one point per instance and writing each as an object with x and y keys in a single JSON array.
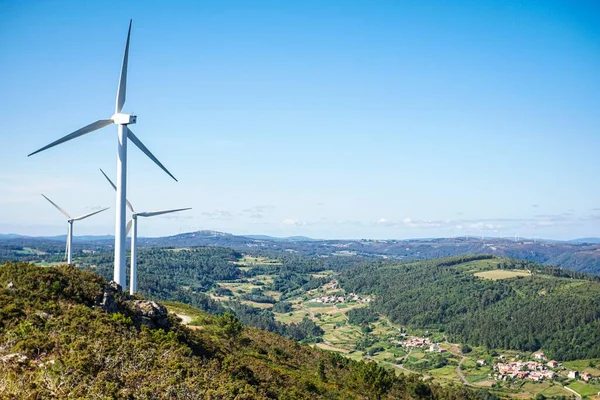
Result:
[
  {"x": 333, "y": 299},
  {"x": 535, "y": 370},
  {"x": 420, "y": 343}
]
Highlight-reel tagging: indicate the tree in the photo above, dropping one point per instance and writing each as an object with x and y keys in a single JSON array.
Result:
[{"x": 229, "y": 324}]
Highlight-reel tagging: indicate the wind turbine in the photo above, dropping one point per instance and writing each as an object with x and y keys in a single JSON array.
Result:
[
  {"x": 122, "y": 121},
  {"x": 70, "y": 229},
  {"x": 133, "y": 224}
]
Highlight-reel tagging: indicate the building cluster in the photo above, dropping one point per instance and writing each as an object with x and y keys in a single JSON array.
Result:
[
  {"x": 586, "y": 376},
  {"x": 417, "y": 342},
  {"x": 534, "y": 370},
  {"x": 525, "y": 370},
  {"x": 355, "y": 297},
  {"x": 340, "y": 299},
  {"x": 435, "y": 348},
  {"x": 329, "y": 299}
]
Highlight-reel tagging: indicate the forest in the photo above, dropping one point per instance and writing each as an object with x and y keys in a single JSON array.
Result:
[
  {"x": 184, "y": 275},
  {"x": 553, "y": 309}
]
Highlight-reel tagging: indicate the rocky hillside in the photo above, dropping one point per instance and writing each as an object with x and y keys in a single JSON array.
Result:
[{"x": 66, "y": 333}]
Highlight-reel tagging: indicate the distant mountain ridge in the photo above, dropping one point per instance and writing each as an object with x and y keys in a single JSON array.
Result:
[
  {"x": 589, "y": 240},
  {"x": 283, "y": 239},
  {"x": 213, "y": 233},
  {"x": 578, "y": 254}
]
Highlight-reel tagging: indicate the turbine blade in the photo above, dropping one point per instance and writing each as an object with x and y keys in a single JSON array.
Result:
[
  {"x": 80, "y": 132},
  {"x": 128, "y": 227},
  {"x": 145, "y": 150},
  {"x": 114, "y": 187},
  {"x": 66, "y": 214},
  {"x": 90, "y": 214},
  {"x": 123, "y": 79},
  {"x": 108, "y": 179},
  {"x": 153, "y": 213}
]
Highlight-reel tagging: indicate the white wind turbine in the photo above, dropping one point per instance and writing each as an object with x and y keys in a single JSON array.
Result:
[
  {"x": 133, "y": 224},
  {"x": 122, "y": 121},
  {"x": 70, "y": 220}
]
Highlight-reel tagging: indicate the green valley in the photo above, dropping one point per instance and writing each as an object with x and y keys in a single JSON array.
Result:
[{"x": 378, "y": 310}]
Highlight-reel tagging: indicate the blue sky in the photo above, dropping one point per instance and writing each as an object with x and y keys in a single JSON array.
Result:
[{"x": 331, "y": 119}]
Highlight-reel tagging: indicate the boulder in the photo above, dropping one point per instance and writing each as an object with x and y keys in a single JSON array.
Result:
[
  {"x": 107, "y": 300},
  {"x": 149, "y": 313}
]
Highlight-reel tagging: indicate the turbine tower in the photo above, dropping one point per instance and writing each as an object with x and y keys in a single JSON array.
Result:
[
  {"x": 122, "y": 121},
  {"x": 70, "y": 220},
  {"x": 133, "y": 224}
]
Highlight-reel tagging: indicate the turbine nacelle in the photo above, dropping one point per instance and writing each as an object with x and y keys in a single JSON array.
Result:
[{"x": 124, "y": 119}]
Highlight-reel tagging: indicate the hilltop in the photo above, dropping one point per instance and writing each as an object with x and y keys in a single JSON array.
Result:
[{"x": 69, "y": 333}]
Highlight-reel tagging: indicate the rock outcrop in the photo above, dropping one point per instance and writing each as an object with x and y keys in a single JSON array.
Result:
[
  {"x": 149, "y": 313},
  {"x": 107, "y": 301}
]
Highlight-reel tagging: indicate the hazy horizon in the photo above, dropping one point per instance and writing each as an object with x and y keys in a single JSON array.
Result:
[{"x": 467, "y": 236}]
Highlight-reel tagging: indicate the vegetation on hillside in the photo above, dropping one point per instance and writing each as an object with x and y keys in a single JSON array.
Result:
[
  {"x": 56, "y": 342},
  {"x": 185, "y": 275},
  {"x": 554, "y": 309}
]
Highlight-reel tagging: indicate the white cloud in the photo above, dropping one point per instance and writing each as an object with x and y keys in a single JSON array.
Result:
[
  {"x": 218, "y": 215},
  {"x": 422, "y": 223},
  {"x": 258, "y": 212},
  {"x": 382, "y": 221},
  {"x": 292, "y": 221},
  {"x": 259, "y": 209},
  {"x": 485, "y": 226}
]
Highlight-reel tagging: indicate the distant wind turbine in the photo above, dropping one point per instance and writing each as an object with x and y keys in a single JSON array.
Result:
[
  {"x": 70, "y": 220},
  {"x": 122, "y": 121},
  {"x": 133, "y": 223}
]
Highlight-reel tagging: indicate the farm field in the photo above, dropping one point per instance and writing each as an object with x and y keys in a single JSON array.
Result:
[
  {"x": 251, "y": 261},
  {"x": 256, "y": 304},
  {"x": 239, "y": 288},
  {"x": 497, "y": 274},
  {"x": 592, "y": 366},
  {"x": 584, "y": 389},
  {"x": 30, "y": 251}
]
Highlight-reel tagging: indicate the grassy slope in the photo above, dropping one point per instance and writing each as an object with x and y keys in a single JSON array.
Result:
[{"x": 75, "y": 350}]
